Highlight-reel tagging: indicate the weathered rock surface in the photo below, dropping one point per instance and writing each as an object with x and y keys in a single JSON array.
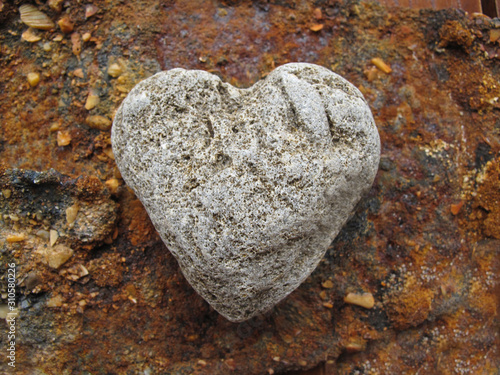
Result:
[
  {"x": 45, "y": 199},
  {"x": 247, "y": 187},
  {"x": 424, "y": 241}
]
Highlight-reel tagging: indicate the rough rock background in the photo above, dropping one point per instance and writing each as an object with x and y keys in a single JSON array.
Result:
[{"x": 424, "y": 243}]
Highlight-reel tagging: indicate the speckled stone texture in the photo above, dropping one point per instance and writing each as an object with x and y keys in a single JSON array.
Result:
[{"x": 247, "y": 187}]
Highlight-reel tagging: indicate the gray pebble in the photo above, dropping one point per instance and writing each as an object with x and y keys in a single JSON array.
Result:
[{"x": 247, "y": 187}]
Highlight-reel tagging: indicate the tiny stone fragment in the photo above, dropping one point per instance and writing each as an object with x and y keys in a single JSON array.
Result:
[
  {"x": 33, "y": 79},
  {"x": 15, "y": 238},
  {"x": 76, "y": 272},
  {"x": 365, "y": 300},
  {"x": 63, "y": 138},
  {"x": 30, "y": 36},
  {"x": 32, "y": 280},
  {"x": 86, "y": 37},
  {"x": 56, "y": 256},
  {"x": 82, "y": 271},
  {"x": 71, "y": 213},
  {"x": 114, "y": 70},
  {"x": 55, "y": 126},
  {"x": 55, "y": 301},
  {"x": 356, "y": 345},
  {"x": 108, "y": 151},
  {"x": 90, "y": 10},
  {"x": 56, "y": 4},
  {"x": 43, "y": 234},
  {"x": 6, "y": 193},
  {"x": 317, "y": 13},
  {"x": 112, "y": 184},
  {"x": 98, "y": 122},
  {"x": 76, "y": 44},
  {"x": 380, "y": 64},
  {"x": 78, "y": 73},
  {"x": 316, "y": 27},
  {"x": 494, "y": 35},
  {"x": 53, "y": 236},
  {"x": 328, "y": 284},
  {"x": 92, "y": 101},
  {"x": 455, "y": 208},
  {"x": 66, "y": 25}
]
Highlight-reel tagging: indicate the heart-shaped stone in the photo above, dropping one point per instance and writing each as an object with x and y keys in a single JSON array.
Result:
[{"x": 247, "y": 187}]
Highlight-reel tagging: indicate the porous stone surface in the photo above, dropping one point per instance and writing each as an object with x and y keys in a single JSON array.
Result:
[{"x": 247, "y": 187}]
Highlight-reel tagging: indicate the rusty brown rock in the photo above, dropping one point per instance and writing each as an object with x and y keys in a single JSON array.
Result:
[{"x": 438, "y": 120}]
